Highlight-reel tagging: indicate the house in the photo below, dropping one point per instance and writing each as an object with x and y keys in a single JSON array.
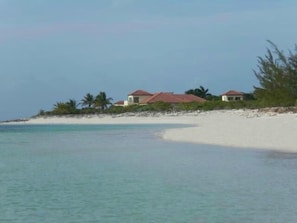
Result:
[
  {"x": 172, "y": 98},
  {"x": 137, "y": 97},
  {"x": 232, "y": 96},
  {"x": 141, "y": 97}
]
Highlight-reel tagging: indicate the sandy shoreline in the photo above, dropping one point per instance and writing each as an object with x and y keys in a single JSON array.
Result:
[{"x": 235, "y": 128}]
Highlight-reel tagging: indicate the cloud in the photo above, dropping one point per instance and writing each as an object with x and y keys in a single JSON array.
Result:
[
  {"x": 27, "y": 32},
  {"x": 138, "y": 23}
]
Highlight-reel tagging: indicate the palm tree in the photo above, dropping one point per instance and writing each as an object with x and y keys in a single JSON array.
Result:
[
  {"x": 60, "y": 108},
  {"x": 102, "y": 101},
  {"x": 203, "y": 92},
  {"x": 200, "y": 92},
  {"x": 88, "y": 100},
  {"x": 72, "y": 106},
  {"x": 69, "y": 107}
]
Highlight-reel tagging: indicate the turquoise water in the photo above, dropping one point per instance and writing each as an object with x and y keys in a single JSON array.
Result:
[{"x": 56, "y": 173}]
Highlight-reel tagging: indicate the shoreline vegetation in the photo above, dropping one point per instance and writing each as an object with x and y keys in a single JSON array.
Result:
[{"x": 259, "y": 111}]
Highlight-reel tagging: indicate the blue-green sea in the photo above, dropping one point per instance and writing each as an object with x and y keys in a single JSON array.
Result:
[{"x": 127, "y": 174}]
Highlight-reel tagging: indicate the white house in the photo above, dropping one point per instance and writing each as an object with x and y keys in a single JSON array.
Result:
[{"x": 232, "y": 96}]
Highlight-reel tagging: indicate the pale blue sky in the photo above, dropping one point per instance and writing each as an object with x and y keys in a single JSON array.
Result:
[{"x": 57, "y": 50}]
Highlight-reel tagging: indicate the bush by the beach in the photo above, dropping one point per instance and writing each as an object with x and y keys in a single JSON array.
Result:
[
  {"x": 181, "y": 107},
  {"x": 194, "y": 106},
  {"x": 277, "y": 75}
]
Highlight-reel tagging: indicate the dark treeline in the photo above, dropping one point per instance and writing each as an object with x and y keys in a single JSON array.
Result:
[
  {"x": 276, "y": 73},
  {"x": 88, "y": 105}
]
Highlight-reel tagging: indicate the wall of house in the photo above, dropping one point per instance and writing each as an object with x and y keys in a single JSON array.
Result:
[
  {"x": 137, "y": 99},
  {"x": 232, "y": 98}
]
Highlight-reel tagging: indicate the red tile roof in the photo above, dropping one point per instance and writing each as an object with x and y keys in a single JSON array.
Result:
[
  {"x": 173, "y": 98},
  {"x": 190, "y": 98},
  {"x": 119, "y": 103},
  {"x": 232, "y": 93},
  {"x": 140, "y": 93}
]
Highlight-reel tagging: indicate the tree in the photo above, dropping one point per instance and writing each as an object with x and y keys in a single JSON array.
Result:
[
  {"x": 88, "y": 100},
  {"x": 101, "y": 101},
  {"x": 69, "y": 107},
  {"x": 277, "y": 75},
  {"x": 72, "y": 106},
  {"x": 200, "y": 92},
  {"x": 249, "y": 96},
  {"x": 60, "y": 108}
]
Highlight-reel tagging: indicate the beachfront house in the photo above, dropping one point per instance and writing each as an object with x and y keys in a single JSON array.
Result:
[
  {"x": 232, "y": 96},
  {"x": 172, "y": 98},
  {"x": 137, "y": 97},
  {"x": 141, "y": 97}
]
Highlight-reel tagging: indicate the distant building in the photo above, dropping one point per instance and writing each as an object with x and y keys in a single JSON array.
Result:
[
  {"x": 172, "y": 98},
  {"x": 119, "y": 103},
  {"x": 141, "y": 97},
  {"x": 137, "y": 97},
  {"x": 232, "y": 96}
]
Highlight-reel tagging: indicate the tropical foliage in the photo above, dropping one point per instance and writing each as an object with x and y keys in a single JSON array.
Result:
[
  {"x": 89, "y": 105},
  {"x": 203, "y": 93},
  {"x": 277, "y": 75},
  {"x": 69, "y": 107},
  {"x": 88, "y": 100},
  {"x": 102, "y": 101},
  {"x": 200, "y": 92}
]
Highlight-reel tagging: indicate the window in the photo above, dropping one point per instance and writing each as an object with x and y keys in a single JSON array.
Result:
[
  {"x": 237, "y": 98},
  {"x": 230, "y": 98},
  {"x": 136, "y": 99}
]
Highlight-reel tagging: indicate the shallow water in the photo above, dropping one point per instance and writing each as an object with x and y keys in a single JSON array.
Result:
[{"x": 125, "y": 173}]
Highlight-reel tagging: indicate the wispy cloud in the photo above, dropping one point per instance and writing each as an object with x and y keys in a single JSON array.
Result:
[{"x": 27, "y": 32}]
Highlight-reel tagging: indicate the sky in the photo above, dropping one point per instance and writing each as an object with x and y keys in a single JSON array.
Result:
[{"x": 53, "y": 51}]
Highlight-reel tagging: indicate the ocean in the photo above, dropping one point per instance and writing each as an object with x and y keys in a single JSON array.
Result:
[{"x": 127, "y": 174}]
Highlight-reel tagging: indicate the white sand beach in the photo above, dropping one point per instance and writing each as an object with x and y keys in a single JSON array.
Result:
[{"x": 233, "y": 128}]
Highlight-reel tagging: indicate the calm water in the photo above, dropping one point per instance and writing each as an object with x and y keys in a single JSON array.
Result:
[{"x": 121, "y": 174}]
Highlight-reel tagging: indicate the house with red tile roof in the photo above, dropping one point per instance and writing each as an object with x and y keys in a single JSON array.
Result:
[
  {"x": 143, "y": 97},
  {"x": 172, "y": 98},
  {"x": 138, "y": 97},
  {"x": 232, "y": 96}
]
